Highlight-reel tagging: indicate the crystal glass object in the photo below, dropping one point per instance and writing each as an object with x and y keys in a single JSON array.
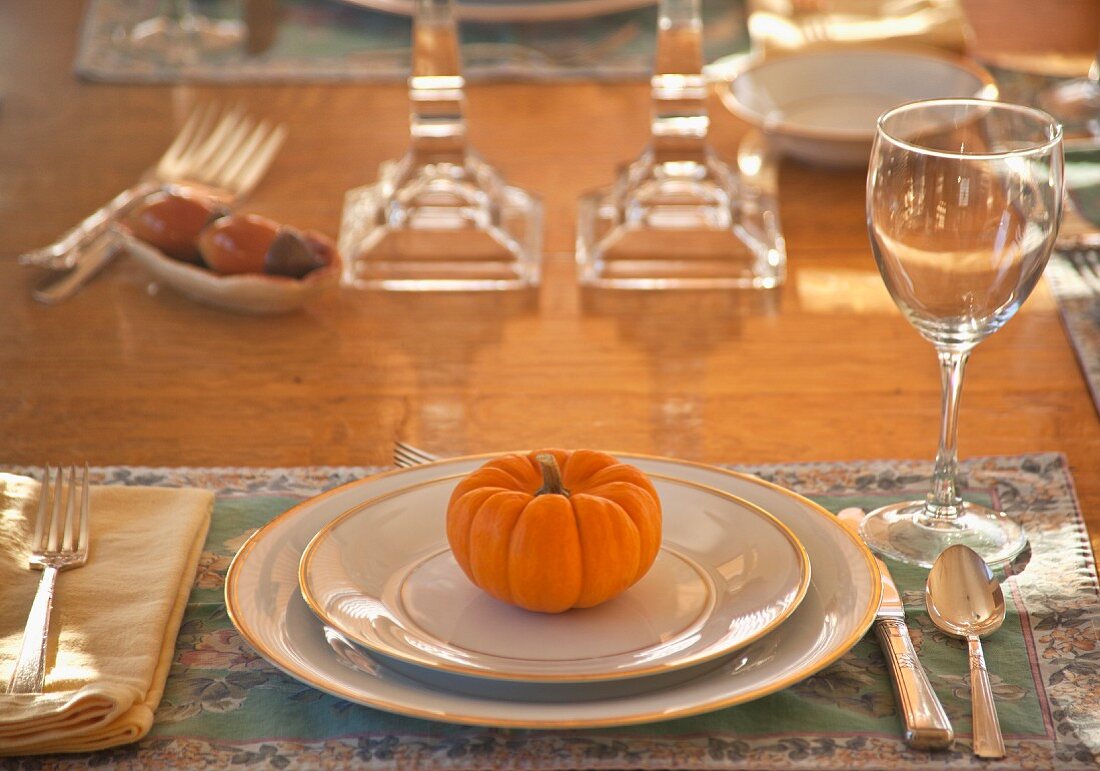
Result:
[
  {"x": 964, "y": 199},
  {"x": 1076, "y": 102},
  {"x": 679, "y": 216},
  {"x": 180, "y": 34},
  {"x": 439, "y": 218}
]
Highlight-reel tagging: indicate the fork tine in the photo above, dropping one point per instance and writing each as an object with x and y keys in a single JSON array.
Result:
[
  {"x": 261, "y": 161},
  {"x": 43, "y": 510},
  {"x": 213, "y": 143},
  {"x": 184, "y": 136},
  {"x": 415, "y": 451},
  {"x": 171, "y": 163},
  {"x": 84, "y": 510},
  {"x": 405, "y": 455},
  {"x": 55, "y": 516},
  {"x": 228, "y": 151},
  {"x": 227, "y": 176},
  {"x": 70, "y": 511}
]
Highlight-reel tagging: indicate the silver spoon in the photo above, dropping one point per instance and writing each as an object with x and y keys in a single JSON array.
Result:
[{"x": 964, "y": 600}]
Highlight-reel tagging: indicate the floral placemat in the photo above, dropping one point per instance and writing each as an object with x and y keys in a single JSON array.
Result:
[
  {"x": 1079, "y": 303},
  {"x": 330, "y": 40},
  {"x": 225, "y": 706}
]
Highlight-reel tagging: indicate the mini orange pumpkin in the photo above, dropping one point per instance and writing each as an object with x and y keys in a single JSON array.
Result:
[{"x": 555, "y": 529}]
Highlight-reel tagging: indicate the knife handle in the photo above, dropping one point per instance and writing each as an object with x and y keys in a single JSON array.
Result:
[{"x": 926, "y": 724}]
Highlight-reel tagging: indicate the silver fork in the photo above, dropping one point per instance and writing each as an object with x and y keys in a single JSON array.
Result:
[
  {"x": 405, "y": 455},
  {"x": 58, "y": 545},
  {"x": 223, "y": 153},
  {"x": 1086, "y": 261}
]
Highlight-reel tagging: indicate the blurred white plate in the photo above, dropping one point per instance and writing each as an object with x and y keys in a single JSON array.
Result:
[
  {"x": 821, "y": 107},
  {"x": 264, "y": 602},
  {"x": 384, "y": 576},
  {"x": 516, "y": 10},
  {"x": 243, "y": 293}
]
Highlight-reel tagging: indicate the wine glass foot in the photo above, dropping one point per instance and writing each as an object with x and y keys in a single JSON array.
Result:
[
  {"x": 178, "y": 38},
  {"x": 1075, "y": 104},
  {"x": 903, "y": 532}
]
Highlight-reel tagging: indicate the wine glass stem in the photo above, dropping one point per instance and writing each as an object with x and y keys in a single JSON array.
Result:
[{"x": 943, "y": 502}]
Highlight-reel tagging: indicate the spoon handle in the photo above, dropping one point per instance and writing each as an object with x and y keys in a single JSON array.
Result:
[{"x": 988, "y": 742}]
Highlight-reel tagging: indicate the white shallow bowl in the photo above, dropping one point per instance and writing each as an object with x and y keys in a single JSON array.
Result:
[
  {"x": 821, "y": 107},
  {"x": 246, "y": 293}
]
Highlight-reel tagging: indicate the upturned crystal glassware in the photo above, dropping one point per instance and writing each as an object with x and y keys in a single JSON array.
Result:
[
  {"x": 180, "y": 34},
  {"x": 964, "y": 199},
  {"x": 1076, "y": 102},
  {"x": 440, "y": 217},
  {"x": 679, "y": 216}
]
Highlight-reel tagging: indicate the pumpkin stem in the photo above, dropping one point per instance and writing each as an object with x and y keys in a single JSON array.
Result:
[{"x": 551, "y": 476}]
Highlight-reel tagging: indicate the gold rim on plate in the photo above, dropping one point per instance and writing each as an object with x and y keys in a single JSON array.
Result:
[
  {"x": 315, "y": 604},
  {"x": 344, "y": 692}
]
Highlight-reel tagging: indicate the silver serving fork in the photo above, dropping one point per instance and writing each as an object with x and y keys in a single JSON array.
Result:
[
  {"x": 1086, "y": 261},
  {"x": 223, "y": 153},
  {"x": 405, "y": 455},
  {"x": 59, "y": 544}
]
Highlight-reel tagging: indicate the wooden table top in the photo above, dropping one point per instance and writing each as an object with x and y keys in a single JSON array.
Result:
[{"x": 824, "y": 369}]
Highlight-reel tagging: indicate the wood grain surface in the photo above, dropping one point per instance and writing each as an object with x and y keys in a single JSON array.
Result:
[{"x": 823, "y": 369}]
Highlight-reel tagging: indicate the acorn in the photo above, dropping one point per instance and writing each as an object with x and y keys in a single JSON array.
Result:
[
  {"x": 248, "y": 243},
  {"x": 171, "y": 222},
  {"x": 238, "y": 243},
  {"x": 296, "y": 254}
]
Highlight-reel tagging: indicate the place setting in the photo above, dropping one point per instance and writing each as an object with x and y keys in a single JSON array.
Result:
[{"x": 477, "y": 458}]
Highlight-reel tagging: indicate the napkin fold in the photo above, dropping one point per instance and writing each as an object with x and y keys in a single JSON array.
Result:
[{"x": 115, "y": 619}]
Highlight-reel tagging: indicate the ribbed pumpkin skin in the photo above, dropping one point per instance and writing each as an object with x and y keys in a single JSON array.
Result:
[{"x": 549, "y": 552}]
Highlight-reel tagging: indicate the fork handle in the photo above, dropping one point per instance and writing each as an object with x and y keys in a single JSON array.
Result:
[
  {"x": 65, "y": 251},
  {"x": 30, "y": 668}
]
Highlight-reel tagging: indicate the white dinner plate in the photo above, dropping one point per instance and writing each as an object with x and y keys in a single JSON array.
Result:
[
  {"x": 384, "y": 576},
  {"x": 822, "y": 106},
  {"x": 516, "y": 10},
  {"x": 265, "y": 604}
]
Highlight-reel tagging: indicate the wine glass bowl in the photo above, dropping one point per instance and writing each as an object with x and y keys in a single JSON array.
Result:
[{"x": 964, "y": 201}]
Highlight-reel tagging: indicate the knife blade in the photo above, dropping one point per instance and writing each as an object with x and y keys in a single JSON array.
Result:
[{"x": 926, "y": 723}]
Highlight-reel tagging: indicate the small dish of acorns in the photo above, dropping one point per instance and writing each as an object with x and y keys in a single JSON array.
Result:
[{"x": 239, "y": 262}]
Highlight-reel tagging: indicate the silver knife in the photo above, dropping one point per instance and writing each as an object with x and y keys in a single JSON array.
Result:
[{"x": 926, "y": 724}]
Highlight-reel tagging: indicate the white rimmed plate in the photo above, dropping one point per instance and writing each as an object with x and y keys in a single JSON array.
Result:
[
  {"x": 516, "y": 10},
  {"x": 822, "y": 106},
  {"x": 382, "y": 574},
  {"x": 265, "y": 604}
]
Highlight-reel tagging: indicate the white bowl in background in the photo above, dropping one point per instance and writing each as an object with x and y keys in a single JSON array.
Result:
[{"x": 821, "y": 107}]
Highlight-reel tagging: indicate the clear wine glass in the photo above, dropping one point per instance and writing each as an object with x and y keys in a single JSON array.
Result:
[{"x": 964, "y": 200}]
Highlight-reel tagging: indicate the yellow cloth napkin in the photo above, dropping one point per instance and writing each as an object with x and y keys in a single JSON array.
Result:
[{"x": 115, "y": 620}]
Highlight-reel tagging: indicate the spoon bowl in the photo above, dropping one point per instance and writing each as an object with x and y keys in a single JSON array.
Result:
[{"x": 965, "y": 600}]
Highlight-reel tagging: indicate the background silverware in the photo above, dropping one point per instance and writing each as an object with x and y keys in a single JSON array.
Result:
[
  {"x": 926, "y": 724},
  {"x": 225, "y": 153},
  {"x": 1086, "y": 261},
  {"x": 60, "y": 542},
  {"x": 405, "y": 455},
  {"x": 97, "y": 255},
  {"x": 965, "y": 600}
]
